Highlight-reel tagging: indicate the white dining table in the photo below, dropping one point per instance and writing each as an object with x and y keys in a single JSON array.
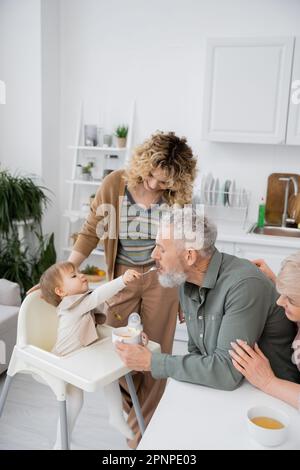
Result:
[{"x": 196, "y": 417}]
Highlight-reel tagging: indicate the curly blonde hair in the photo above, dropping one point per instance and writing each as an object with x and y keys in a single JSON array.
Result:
[{"x": 170, "y": 153}]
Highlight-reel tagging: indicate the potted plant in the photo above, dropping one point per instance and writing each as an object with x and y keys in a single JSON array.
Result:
[
  {"x": 86, "y": 171},
  {"x": 22, "y": 204},
  {"x": 121, "y": 134},
  {"x": 93, "y": 273}
]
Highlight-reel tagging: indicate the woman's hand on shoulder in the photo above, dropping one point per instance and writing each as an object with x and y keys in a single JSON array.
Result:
[
  {"x": 33, "y": 289},
  {"x": 262, "y": 265}
]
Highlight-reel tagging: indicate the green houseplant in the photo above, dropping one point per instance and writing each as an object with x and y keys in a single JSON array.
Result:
[
  {"x": 86, "y": 171},
  {"x": 22, "y": 204},
  {"x": 121, "y": 134}
]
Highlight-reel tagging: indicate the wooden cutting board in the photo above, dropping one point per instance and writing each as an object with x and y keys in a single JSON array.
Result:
[
  {"x": 294, "y": 207},
  {"x": 275, "y": 197}
]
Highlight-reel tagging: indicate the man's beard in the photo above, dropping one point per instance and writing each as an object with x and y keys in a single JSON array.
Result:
[{"x": 172, "y": 279}]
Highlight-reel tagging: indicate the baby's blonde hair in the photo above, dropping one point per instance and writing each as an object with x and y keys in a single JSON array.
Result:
[
  {"x": 288, "y": 279},
  {"x": 51, "y": 279}
]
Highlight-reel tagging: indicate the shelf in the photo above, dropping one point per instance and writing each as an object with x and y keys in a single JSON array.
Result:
[
  {"x": 99, "y": 149},
  {"x": 227, "y": 207},
  {"x": 94, "y": 285},
  {"x": 85, "y": 182},
  {"x": 96, "y": 252},
  {"x": 74, "y": 216},
  {"x": 78, "y": 210},
  {"x": 20, "y": 223}
]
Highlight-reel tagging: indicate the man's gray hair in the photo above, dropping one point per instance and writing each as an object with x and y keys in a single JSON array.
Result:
[{"x": 191, "y": 227}]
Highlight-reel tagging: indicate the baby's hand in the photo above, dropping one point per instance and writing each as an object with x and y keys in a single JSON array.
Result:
[{"x": 130, "y": 275}]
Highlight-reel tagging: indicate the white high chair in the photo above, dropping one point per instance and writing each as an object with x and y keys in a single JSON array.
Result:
[{"x": 88, "y": 368}]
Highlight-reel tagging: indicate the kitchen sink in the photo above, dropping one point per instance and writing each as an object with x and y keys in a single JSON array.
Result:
[{"x": 276, "y": 231}]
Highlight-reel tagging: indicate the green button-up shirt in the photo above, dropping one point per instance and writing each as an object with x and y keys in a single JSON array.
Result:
[{"x": 235, "y": 301}]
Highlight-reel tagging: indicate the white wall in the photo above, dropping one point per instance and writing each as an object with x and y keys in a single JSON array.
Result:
[
  {"x": 153, "y": 51},
  {"x": 55, "y": 53},
  {"x": 50, "y": 66},
  {"x": 29, "y": 122},
  {"x": 20, "y": 68}
]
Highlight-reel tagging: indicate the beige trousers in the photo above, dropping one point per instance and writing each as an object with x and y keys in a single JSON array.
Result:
[{"x": 158, "y": 307}]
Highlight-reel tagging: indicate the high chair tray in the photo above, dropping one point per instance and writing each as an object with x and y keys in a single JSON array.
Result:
[{"x": 89, "y": 368}]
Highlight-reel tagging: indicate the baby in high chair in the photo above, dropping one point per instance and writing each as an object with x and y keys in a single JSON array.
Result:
[{"x": 77, "y": 309}]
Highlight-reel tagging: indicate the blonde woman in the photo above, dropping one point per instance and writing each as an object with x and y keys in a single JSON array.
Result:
[
  {"x": 252, "y": 363},
  {"x": 125, "y": 212}
]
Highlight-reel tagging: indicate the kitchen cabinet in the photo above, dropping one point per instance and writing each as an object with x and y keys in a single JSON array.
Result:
[
  {"x": 272, "y": 255},
  {"x": 293, "y": 129},
  {"x": 225, "y": 247},
  {"x": 247, "y": 90}
]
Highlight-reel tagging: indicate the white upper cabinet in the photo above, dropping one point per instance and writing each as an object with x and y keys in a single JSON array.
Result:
[
  {"x": 293, "y": 130},
  {"x": 271, "y": 254},
  {"x": 247, "y": 88}
]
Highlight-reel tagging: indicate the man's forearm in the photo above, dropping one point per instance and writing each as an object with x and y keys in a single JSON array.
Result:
[
  {"x": 214, "y": 371},
  {"x": 76, "y": 258}
]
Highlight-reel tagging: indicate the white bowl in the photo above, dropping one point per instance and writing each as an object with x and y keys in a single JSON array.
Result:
[
  {"x": 126, "y": 335},
  {"x": 264, "y": 436}
]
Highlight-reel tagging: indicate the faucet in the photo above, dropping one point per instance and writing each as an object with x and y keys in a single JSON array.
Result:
[{"x": 287, "y": 181}]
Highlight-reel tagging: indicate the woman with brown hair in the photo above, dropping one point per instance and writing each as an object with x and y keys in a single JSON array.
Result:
[{"x": 125, "y": 215}]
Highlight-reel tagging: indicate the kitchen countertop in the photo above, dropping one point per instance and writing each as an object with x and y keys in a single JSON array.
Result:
[
  {"x": 235, "y": 233},
  {"x": 195, "y": 417}
]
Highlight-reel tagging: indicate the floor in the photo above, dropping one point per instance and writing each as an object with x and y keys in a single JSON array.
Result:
[{"x": 30, "y": 416}]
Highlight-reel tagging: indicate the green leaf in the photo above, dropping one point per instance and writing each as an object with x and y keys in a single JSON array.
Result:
[
  {"x": 122, "y": 131},
  {"x": 23, "y": 200}
]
